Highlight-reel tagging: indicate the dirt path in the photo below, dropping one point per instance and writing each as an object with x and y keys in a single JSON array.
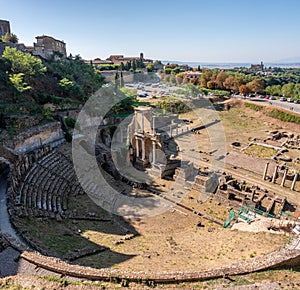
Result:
[{"x": 5, "y": 225}]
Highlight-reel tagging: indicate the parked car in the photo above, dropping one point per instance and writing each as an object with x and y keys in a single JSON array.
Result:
[
  {"x": 261, "y": 96},
  {"x": 272, "y": 98},
  {"x": 290, "y": 100},
  {"x": 282, "y": 99},
  {"x": 297, "y": 101},
  {"x": 143, "y": 95},
  {"x": 267, "y": 97}
]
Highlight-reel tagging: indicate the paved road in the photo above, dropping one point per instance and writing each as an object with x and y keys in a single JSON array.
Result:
[
  {"x": 156, "y": 89},
  {"x": 285, "y": 105}
]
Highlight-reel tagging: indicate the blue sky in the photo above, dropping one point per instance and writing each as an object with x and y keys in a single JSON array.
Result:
[{"x": 196, "y": 30}]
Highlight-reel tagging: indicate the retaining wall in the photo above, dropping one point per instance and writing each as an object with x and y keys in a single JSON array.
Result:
[{"x": 282, "y": 257}]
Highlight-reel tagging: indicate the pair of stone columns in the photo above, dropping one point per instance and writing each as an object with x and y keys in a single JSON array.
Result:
[{"x": 283, "y": 178}]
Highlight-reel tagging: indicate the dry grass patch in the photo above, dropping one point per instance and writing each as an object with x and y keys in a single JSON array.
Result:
[{"x": 260, "y": 151}]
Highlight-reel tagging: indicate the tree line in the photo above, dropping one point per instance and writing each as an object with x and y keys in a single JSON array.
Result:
[
  {"x": 23, "y": 75},
  {"x": 131, "y": 65},
  {"x": 283, "y": 82}
]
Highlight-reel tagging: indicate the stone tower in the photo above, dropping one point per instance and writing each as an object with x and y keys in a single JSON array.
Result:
[{"x": 4, "y": 27}]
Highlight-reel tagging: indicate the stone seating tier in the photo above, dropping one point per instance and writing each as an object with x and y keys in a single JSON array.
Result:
[{"x": 48, "y": 183}]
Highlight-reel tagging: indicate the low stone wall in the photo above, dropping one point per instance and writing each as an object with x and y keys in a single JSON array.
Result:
[
  {"x": 128, "y": 77},
  {"x": 282, "y": 257}
]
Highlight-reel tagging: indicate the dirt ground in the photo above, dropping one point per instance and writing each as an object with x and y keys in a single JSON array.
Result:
[{"x": 175, "y": 240}]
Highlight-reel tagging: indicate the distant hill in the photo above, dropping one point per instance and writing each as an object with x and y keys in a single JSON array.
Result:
[
  {"x": 295, "y": 59},
  {"x": 293, "y": 62},
  {"x": 221, "y": 65}
]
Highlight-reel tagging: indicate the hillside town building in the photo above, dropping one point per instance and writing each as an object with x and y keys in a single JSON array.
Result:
[
  {"x": 4, "y": 27},
  {"x": 47, "y": 45}
]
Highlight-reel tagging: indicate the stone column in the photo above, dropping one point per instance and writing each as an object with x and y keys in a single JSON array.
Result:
[
  {"x": 275, "y": 174},
  {"x": 170, "y": 130},
  {"x": 265, "y": 171},
  {"x": 153, "y": 152},
  {"x": 143, "y": 122},
  {"x": 143, "y": 149},
  {"x": 294, "y": 181},
  {"x": 137, "y": 146},
  {"x": 153, "y": 125},
  {"x": 135, "y": 122},
  {"x": 284, "y": 177}
]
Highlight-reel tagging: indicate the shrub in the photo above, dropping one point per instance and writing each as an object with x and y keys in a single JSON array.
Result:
[
  {"x": 70, "y": 122},
  {"x": 283, "y": 116},
  {"x": 68, "y": 137},
  {"x": 253, "y": 107},
  {"x": 48, "y": 115}
]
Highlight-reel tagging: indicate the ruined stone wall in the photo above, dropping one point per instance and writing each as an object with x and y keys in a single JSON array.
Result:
[
  {"x": 128, "y": 77},
  {"x": 36, "y": 137}
]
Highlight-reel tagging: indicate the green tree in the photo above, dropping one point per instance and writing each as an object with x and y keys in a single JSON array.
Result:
[
  {"x": 121, "y": 80},
  {"x": 122, "y": 66},
  {"x": 168, "y": 71},
  {"x": 139, "y": 63},
  {"x": 150, "y": 67},
  {"x": 85, "y": 78},
  {"x": 21, "y": 62},
  {"x": 297, "y": 91},
  {"x": 19, "y": 85},
  {"x": 128, "y": 65},
  {"x": 288, "y": 90},
  {"x": 13, "y": 38},
  {"x": 116, "y": 79},
  {"x": 9, "y": 38},
  {"x": 273, "y": 90},
  {"x": 134, "y": 65},
  {"x": 66, "y": 85}
]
